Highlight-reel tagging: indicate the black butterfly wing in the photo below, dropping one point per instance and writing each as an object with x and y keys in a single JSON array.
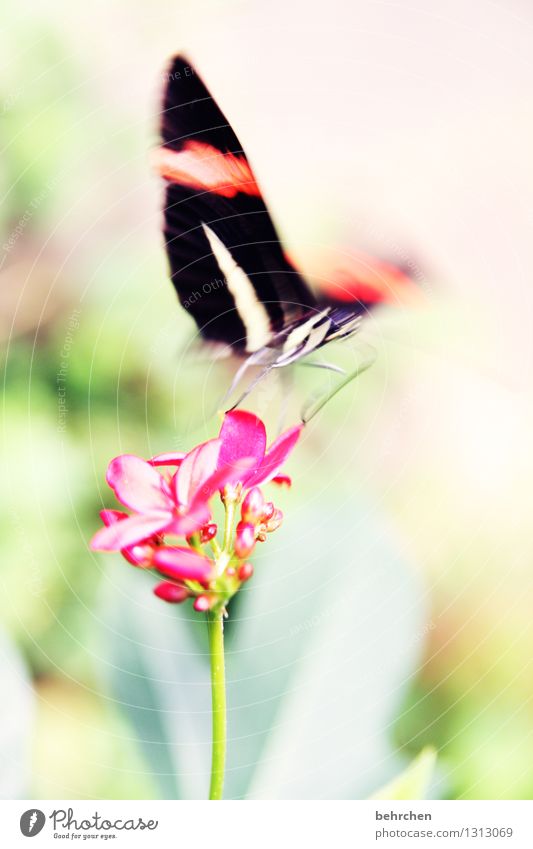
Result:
[{"x": 226, "y": 260}]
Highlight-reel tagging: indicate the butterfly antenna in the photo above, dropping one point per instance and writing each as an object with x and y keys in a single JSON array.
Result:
[
  {"x": 248, "y": 389},
  {"x": 319, "y": 399},
  {"x": 287, "y": 384},
  {"x": 327, "y": 366},
  {"x": 259, "y": 358}
]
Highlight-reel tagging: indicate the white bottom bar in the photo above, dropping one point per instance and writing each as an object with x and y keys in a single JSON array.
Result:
[{"x": 254, "y": 825}]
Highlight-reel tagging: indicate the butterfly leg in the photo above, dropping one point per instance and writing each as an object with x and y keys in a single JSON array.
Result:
[{"x": 327, "y": 366}]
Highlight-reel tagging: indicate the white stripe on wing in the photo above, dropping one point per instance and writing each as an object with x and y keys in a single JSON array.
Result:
[{"x": 252, "y": 312}]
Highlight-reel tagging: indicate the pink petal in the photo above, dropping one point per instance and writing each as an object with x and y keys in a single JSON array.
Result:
[
  {"x": 137, "y": 484},
  {"x": 129, "y": 531},
  {"x": 169, "y": 459},
  {"x": 196, "y": 467},
  {"x": 183, "y": 564},
  {"x": 110, "y": 517},
  {"x": 195, "y": 518},
  {"x": 230, "y": 474},
  {"x": 275, "y": 457},
  {"x": 243, "y": 435}
]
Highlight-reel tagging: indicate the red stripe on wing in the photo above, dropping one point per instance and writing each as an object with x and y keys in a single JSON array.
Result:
[
  {"x": 370, "y": 280},
  {"x": 201, "y": 166}
]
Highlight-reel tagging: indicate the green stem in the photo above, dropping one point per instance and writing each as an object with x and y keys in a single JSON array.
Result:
[
  {"x": 230, "y": 506},
  {"x": 215, "y": 625}
]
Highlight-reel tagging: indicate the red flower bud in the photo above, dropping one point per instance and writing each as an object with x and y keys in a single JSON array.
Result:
[
  {"x": 246, "y": 571},
  {"x": 231, "y": 571},
  {"x": 282, "y": 480},
  {"x": 268, "y": 511},
  {"x": 139, "y": 555},
  {"x": 171, "y": 592},
  {"x": 202, "y": 603},
  {"x": 244, "y": 539},
  {"x": 182, "y": 564},
  {"x": 274, "y": 523},
  {"x": 208, "y": 532},
  {"x": 252, "y": 506}
]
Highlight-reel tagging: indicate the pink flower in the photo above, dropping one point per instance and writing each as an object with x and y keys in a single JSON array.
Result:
[
  {"x": 172, "y": 561},
  {"x": 162, "y": 506},
  {"x": 175, "y": 502},
  {"x": 243, "y": 435}
]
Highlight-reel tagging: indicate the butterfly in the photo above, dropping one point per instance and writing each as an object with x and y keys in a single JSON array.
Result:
[{"x": 226, "y": 260}]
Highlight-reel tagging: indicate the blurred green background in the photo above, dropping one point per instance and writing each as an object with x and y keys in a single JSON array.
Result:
[{"x": 393, "y": 609}]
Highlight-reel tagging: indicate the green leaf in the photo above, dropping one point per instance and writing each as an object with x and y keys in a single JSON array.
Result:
[
  {"x": 413, "y": 782},
  {"x": 16, "y": 722},
  {"x": 158, "y": 672},
  {"x": 323, "y": 649}
]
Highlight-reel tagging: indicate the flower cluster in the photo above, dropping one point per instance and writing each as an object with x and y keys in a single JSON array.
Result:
[{"x": 171, "y": 496}]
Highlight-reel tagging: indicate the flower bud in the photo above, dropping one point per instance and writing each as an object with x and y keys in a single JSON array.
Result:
[
  {"x": 268, "y": 511},
  {"x": 208, "y": 532},
  {"x": 182, "y": 564},
  {"x": 139, "y": 555},
  {"x": 244, "y": 539},
  {"x": 252, "y": 506},
  {"x": 171, "y": 592},
  {"x": 282, "y": 480},
  {"x": 245, "y": 572},
  {"x": 274, "y": 523},
  {"x": 202, "y": 603},
  {"x": 230, "y": 493}
]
